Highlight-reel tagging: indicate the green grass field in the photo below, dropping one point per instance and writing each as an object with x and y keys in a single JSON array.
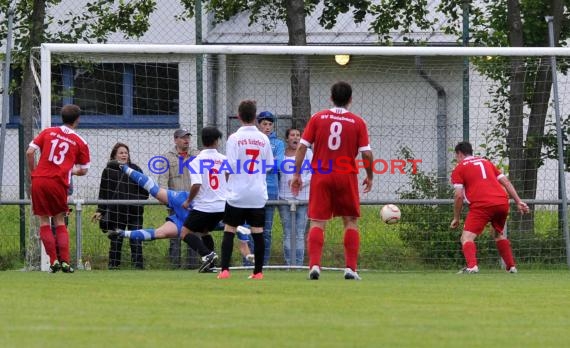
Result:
[{"x": 184, "y": 308}]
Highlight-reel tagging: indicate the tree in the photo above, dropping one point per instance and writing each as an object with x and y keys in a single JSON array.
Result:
[
  {"x": 95, "y": 23},
  {"x": 97, "y": 20},
  {"x": 525, "y": 83}
]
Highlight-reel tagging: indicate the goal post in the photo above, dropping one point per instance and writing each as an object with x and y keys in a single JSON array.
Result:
[{"x": 411, "y": 98}]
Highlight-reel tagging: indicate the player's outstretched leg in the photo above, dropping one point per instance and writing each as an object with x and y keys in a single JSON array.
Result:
[
  {"x": 142, "y": 234},
  {"x": 141, "y": 180}
]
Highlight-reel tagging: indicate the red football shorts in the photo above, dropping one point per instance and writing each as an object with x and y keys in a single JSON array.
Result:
[
  {"x": 49, "y": 196},
  {"x": 477, "y": 218},
  {"x": 333, "y": 194}
]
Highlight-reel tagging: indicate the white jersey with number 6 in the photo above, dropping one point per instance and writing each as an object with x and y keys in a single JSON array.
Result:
[
  {"x": 205, "y": 171},
  {"x": 250, "y": 157}
]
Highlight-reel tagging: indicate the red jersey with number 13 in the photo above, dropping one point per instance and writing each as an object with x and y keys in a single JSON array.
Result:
[
  {"x": 61, "y": 148},
  {"x": 480, "y": 180},
  {"x": 333, "y": 134}
]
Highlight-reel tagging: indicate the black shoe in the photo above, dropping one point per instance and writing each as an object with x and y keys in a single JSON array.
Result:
[
  {"x": 55, "y": 267},
  {"x": 315, "y": 273},
  {"x": 210, "y": 270},
  {"x": 66, "y": 268},
  {"x": 207, "y": 262},
  {"x": 111, "y": 234}
]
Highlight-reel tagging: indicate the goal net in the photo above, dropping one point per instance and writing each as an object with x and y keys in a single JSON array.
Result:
[{"x": 418, "y": 104}]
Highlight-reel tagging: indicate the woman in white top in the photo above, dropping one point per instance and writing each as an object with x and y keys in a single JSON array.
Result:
[{"x": 287, "y": 168}]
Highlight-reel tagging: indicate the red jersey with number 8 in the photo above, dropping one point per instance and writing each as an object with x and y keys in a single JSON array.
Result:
[
  {"x": 480, "y": 180},
  {"x": 61, "y": 148},
  {"x": 341, "y": 136}
]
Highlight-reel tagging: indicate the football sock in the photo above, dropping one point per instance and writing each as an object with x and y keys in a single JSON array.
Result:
[
  {"x": 315, "y": 241},
  {"x": 258, "y": 251},
  {"x": 46, "y": 235},
  {"x": 196, "y": 243},
  {"x": 62, "y": 242},
  {"x": 351, "y": 246},
  {"x": 227, "y": 248},
  {"x": 208, "y": 241},
  {"x": 470, "y": 253},
  {"x": 146, "y": 234},
  {"x": 504, "y": 247},
  {"x": 142, "y": 180}
]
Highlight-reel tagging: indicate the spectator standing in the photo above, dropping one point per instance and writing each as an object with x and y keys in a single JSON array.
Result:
[
  {"x": 116, "y": 185},
  {"x": 293, "y": 257},
  {"x": 63, "y": 153},
  {"x": 266, "y": 123}
]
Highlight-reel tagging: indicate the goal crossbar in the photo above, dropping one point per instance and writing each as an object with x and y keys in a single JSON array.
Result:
[{"x": 48, "y": 48}]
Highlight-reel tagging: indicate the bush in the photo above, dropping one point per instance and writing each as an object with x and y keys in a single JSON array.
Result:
[{"x": 425, "y": 228}]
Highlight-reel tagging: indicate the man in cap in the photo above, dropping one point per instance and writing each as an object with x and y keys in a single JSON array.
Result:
[
  {"x": 266, "y": 123},
  {"x": 178, "y": 178}
]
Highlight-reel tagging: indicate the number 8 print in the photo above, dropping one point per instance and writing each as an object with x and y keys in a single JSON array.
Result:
[{"x": 334, "y": 138}]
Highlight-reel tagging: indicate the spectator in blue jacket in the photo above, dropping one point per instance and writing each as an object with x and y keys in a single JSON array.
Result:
[{"x": 266, "y": 121}]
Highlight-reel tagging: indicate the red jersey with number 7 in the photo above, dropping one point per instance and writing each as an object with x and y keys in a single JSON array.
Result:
[
  {"x": 61, "y": 148},
  {"x": 337, "y": 136},
  {"x": 480, "y": 180}
]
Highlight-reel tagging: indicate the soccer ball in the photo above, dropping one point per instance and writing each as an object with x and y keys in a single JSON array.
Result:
[{"x": 390, "y": 214}]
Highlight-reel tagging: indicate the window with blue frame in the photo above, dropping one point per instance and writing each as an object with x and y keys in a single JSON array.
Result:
[{"x": 114, "y": 94}]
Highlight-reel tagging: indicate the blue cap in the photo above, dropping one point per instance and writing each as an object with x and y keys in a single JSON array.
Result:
[{"x": 265, "y": 115}]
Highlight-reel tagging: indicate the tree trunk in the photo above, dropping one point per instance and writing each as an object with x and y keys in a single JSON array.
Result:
[
  {"x": 515, "y": 127},
  {"x": 300, "y": 73},
  {"x": 535, "y": 132},
  {"x": 27, "y": 114},
  {"x": 539, "y": 109},
  {"x": 517, "y": 74},
  {"x": 27, "y": 111}
]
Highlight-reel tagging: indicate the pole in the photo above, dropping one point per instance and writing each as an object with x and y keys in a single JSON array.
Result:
[
  {"x": 22, "y": 190},
  {"x": 561, "y": 174},
  {"x": 6, "y": 92},
  {"x": 79, "y": 233},
  {"x": 199, "y": 73},
  {"x": 466, "y": 71}
]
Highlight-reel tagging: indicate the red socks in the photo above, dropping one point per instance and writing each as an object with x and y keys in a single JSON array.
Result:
[
  {"x": 315, "y": 241},
  {"x": 470, "y": 253},
  {"x": 351, "y": 246},
  {"x": 48, "y": 240},
  {"x": 504, "y": 247},
  {"x": 62, "y": 242}
]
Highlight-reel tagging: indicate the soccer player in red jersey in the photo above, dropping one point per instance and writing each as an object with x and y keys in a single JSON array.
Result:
[
  {"x": 334, "y": 134},
  {"x": 482, "y": 185},
  {"x": 62, "y": 153}
]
